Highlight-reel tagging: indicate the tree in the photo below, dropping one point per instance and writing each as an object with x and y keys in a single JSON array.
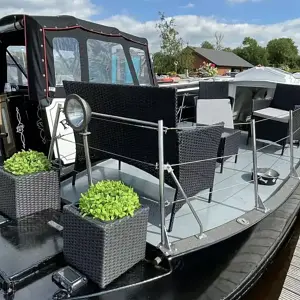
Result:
[
  {"x": 171, "y": 43},
  {"x": 172, "y": 50},
  {"x": 207, "y": 45},
  {"x": 227, "y": 49},
  {"x": 282, "y": 51},
  {"x": 186, "y": 59},
  {"x": 159, "y": 63},
  {"x": 252, "y": 52},
  {"x": 219, "y": 39}
]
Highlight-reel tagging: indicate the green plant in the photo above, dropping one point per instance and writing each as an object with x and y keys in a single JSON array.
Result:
[
  {"x": 27, "y": 162},
  {"x": 208, "y": 70},
  {"x": 109, "y": 200}
]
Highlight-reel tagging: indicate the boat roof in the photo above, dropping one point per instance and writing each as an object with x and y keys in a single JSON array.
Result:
[
  {"x": 67, "y": 21},
  {"x": 266, "y": 74}
]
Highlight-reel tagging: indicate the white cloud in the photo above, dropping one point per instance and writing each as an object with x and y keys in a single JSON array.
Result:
[
  {"x": 195, "y": 29},
  {"x": 79, "y": 8},
  {"x": 189, "y": 5}
]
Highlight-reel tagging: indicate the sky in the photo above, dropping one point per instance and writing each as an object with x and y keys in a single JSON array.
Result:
[{"x": 196, "y": 20}]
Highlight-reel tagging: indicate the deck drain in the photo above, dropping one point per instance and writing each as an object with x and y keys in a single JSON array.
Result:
[{"x": 242, "y": 221}]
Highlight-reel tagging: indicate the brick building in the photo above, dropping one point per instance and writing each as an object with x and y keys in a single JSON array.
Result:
[{"x": 224, "y": 61}]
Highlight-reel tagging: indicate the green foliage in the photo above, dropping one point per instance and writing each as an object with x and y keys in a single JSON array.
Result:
[
  {"x": 252, "y": 52},
  {"x": 208, "y": 70},
  {"x": 282, "y": 51},
  {"x": 173, "y": 56},
  {"x": 185, "y": 60},
  {"x": 207, "y": 45},
  {"x": 297, "y": 70},
  {"x": 172, "y": 73},
  {"x": 171, "y": 43},
  {"x": 27, "y": 162},
  {"x": 109, "y": 200},
  {"x": 285, "y": 68}
]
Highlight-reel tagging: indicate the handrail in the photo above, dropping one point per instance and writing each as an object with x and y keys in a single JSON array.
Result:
[
  {"x": 162, "y": 166},
  {"x": 135, "y": 121}
]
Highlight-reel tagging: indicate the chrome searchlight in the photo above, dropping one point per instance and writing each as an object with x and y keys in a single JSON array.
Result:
[{"x": 78, "y": 112}]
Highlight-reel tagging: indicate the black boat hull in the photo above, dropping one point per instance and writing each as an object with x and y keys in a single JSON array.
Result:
[{"x": 205, "y": 274}]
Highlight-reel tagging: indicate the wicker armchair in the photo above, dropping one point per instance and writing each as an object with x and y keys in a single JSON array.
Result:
[
  {"x": 139, "y": 146},
  {"x": 273, "y": 115},
  {"x": 229, "y": 146},
  {"x": 217, "y": 110},
  {"x": 214, "y": 90}
]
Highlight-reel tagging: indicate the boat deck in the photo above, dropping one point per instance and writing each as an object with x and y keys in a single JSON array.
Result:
[
  {"x": 233, "y": 195},
  {"x": 291, "y": 286}
]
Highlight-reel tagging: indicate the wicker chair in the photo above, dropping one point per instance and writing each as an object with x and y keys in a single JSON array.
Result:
[
  {"x": 275, "y": 128},
  {"x": 214, "y": 90},
  {"x": 138, "y": 146},
  {"x": 231, "y": 138}
]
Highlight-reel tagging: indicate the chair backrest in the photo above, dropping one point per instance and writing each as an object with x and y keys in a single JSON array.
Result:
[
  {"x": 131, "y": 144},
  {"x": 211, "y": 111},
  {"x": 213, "y": 89},
  {"x": 200, "y": 146},
  {"x": 286, "y": 96}
]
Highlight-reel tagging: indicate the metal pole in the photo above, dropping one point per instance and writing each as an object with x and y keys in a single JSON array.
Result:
[
  {"x": 135, "y": 121},
  {"x": 259, "y": 205},
  {"x": 182, "y": 106},
  {"x": 85, "y": 135},
  {"x": 54, "y": 131},
  {"x": 291, "y": 143},
  {"x": 170, "y": 170},
  {"x": 161, "y": 168},
  {"x": 58, "y": 155}
]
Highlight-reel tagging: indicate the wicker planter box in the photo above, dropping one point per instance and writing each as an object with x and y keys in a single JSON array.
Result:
[
  {"x": 24, "y": 195},
  {"x": 104, "y": 250}
]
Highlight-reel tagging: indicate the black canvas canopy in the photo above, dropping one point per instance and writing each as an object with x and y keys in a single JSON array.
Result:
[
  {"x": 43, "y": 35},
  {"x": 51, "y": 49}
]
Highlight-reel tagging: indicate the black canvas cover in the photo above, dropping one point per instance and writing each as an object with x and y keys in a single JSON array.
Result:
[
  {"x": 37, "y": 37},
  {"x": 114, "y": 139}
]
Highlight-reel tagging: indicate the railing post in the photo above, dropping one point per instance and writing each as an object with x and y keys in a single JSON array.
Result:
[
  {"x": 201, "y": 232},
  {"x": 85, "y": 135},
  {"x": 293, "y": 172},
  {"x": 259, "y": 205},
  {"x": 164, "y": 243},
  {"x": 291, "y": 142},
  {"x": 54, "y": 132}
]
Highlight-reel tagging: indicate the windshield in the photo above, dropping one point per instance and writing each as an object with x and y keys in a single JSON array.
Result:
[
  {"x": 14, "y": 74},
  {"x": 107, "y": 62},
  {"x": 66, "y": 60}
]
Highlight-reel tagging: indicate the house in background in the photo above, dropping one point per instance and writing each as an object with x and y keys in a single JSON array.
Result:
[{"x": 225, "y": 61}]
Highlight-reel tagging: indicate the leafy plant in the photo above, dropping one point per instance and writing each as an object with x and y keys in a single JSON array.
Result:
[
  {"x": 27, "y": 162},
  {"x": 208, "y": 70},
  {"x": 109, "y": 200}
]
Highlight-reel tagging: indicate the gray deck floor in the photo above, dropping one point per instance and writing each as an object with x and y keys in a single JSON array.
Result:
[
  {"x": 233, "y": 192},
  {"x": 291, "y": 286}
]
